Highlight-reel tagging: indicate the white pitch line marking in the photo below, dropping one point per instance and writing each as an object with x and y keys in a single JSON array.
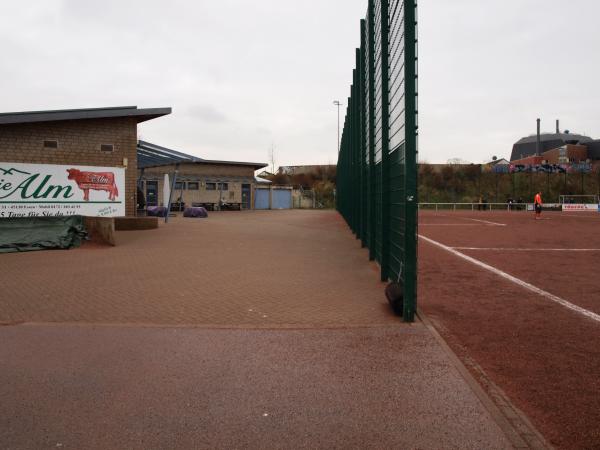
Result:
[
  {"x": 500, "y": 249},
  {"x": 449, "y": 225},
  {"x": 487, "y": 222},
  {"x": 530, "y": 287}
]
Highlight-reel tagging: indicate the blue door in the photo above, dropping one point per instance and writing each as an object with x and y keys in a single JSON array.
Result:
[
  {"x": 261, "y": 199},
  {"x": 282, "y": 198}
]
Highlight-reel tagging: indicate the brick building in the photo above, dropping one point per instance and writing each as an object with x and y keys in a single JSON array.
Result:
[
  {"x": 199, "y": 182},
  {"x": 528, "y": 146},
  {"x": 89, "y": 137},
  {"x": 566, "y": 154}
]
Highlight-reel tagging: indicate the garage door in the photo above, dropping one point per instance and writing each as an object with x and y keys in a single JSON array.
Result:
[
  {"x": 282, "y": 198},
  {"x": 261, "y": 199}
]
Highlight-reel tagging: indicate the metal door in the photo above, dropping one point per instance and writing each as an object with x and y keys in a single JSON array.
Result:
[
  {"x": 261, "y": 199},
  {"x": 151, "y": 193},
  {"x": 246, "y": 203},
  {"x": 282, "y": 198}
]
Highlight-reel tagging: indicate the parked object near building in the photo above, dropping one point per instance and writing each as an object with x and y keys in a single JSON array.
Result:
[
  {"x": 157, "y": 211},
  {"x": 195, "y": 213},
  {"x": 196, "y": 182}
]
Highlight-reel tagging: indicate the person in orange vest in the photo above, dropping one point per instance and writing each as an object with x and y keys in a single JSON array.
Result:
[{"x": 537, "y": 202}]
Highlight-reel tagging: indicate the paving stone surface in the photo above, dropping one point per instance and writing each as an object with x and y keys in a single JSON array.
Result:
[
  {"x": 246, "y": 330},
  {"x": 255, "y": 268}
]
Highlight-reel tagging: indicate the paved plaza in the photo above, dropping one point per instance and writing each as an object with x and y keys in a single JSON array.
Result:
[
  {"x": 256, "y": 268},
  {"x": 245, "y": 330}
]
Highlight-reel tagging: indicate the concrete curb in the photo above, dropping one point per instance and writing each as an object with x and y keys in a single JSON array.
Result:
[{"x": 516, "y": 426}]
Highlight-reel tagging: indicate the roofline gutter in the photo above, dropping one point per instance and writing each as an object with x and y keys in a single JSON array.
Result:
[
  {"x": 83, "y": 114},
  {"x": 258, "y": 166}
]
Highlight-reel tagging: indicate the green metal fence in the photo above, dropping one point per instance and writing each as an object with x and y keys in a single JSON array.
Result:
[{"x": 377, "y": 164}]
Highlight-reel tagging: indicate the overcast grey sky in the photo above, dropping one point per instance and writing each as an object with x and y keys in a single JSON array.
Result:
[{"x": 242, "y": 75}]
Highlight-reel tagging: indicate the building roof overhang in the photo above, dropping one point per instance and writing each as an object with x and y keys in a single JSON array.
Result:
[
  {"x": 152, "y": 155},
  {"x": 141, "y": 115}
]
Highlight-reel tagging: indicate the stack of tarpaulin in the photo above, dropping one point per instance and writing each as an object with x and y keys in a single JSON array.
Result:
[{"x": 41, "y": 233}]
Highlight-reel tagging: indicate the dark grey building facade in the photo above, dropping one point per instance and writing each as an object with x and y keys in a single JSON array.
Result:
[{"x": 527, "y": 146}]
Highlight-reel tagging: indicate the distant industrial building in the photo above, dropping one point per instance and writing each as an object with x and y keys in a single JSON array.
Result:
[
  {"x": 527, "y": 146},
  {"x": 556, "y": 148},
  {"x": 566, "y": 154}
]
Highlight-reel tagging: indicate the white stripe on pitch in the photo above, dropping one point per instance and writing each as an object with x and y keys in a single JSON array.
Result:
[
  {"x": 517, "y": 281},
  {"x": 449, "y": 225},
  {"x": 500, "y": 249},
  {"x": 486, "y": 222}
]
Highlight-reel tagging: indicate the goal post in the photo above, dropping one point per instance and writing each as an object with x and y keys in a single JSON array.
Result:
[{"x": 579, "y": 200}]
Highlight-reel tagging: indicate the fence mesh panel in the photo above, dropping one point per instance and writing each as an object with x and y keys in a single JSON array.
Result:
[{"x": 377, "y": 164}]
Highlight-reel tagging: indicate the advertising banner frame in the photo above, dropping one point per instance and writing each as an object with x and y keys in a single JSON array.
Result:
[
  {"x": 575, "y": 207},
  {"x": 56, "y": 190}
]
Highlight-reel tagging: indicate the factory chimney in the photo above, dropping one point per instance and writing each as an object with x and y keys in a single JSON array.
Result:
[
  {"x": 539, "y": 139},
  {"x": 557, "y": 126}
]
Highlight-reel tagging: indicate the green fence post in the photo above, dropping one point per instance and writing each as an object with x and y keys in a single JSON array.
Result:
[
  {"x": 363, "y": 145},
  {"x": 412, "y": 126},
  {"x": 385, "y": 145},
  {"x": 359, "y": 147},
  {"x": 355, "y": 194},
  {"x": 370, "y": 36}
]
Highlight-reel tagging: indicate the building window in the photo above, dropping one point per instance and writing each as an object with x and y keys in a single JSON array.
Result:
[
  {"x": 108, "y": 148},
  {"x": 211, "y": 186},
  {"x": 193, "y": 186},
  {"x": 223, "y": 186},
  {"x": 51, "y": 144},
  {"x": 179, "y": 185}
]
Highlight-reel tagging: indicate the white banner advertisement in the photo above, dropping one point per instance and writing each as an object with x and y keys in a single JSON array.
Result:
[
  {"x": 547, "y": 207},
  {"x": 38, "y": 190},
  {"x": 580, "y": 208}
]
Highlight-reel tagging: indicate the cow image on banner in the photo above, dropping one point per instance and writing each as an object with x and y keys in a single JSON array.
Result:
[
  {"x": 38, "y": 190},
  {"x": 97, "y": 181}
]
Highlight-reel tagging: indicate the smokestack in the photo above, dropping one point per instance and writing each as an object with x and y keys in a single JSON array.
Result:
[
  {"x": 557, "y": 126},
  {"x": 538, "y": 142}
]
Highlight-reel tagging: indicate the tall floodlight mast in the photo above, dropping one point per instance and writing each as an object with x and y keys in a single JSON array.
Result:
[{"x": 338, "y": 104}]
